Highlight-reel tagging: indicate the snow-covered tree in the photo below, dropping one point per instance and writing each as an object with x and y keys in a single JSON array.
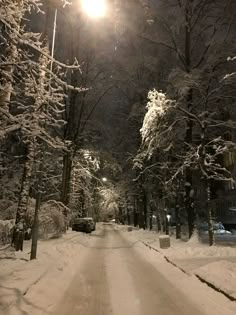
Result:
[
  {"x": 198, "y": 45},
  {"x": 162, "y": 133},
  {"x": 32, "y": 96},
  {"x": 13, "y": 38}
]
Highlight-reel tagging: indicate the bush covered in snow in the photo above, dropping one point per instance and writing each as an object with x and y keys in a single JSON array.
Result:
[
  {"x": 6, "y": 229},
  {"x": 52, "y": 221}
]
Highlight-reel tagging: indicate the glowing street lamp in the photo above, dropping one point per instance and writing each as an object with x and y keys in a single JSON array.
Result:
[
  {"x": 104, "y": 179},
  {"x": 94, "y": 8}
]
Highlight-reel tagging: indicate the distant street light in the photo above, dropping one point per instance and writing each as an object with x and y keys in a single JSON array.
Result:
[
  {"x": 94, "y": 8},
  {"x": 104, "y": 179}
]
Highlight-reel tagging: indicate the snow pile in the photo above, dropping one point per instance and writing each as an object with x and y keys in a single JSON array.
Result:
[
  {"x": 194, "y": 240},
  {"x": 142, "y": 235},
  {"x": 180, "y": 249},
  {"x": 58, "y": 261},
  {"x": 187, "y": 250},
  {"x": 221, "y": 274}
]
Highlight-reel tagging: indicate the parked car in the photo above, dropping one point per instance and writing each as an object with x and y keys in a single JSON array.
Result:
[
  {"x": 86, "y": 225},
  {"x": 221, "y": 235},
  {"x": 204, "y": 226}
]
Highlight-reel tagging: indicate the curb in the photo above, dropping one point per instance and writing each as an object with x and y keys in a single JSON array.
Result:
[
  {"x": 230, "y": 297},
  {"x": 166, "y": 258},
  {"x": 209, "y": 284}
]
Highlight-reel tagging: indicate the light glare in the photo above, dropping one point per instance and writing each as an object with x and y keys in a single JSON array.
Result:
[{"x": 94, "y": 8}]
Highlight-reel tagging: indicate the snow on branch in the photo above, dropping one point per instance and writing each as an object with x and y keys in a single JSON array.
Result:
[
  {"x": 157, "y": 106},
  {"x": 231, "y": 58},
  {"x": 163, "y": 135},
  {"x": 66, "y": 2},
  {"x": 233, "y": 74}
]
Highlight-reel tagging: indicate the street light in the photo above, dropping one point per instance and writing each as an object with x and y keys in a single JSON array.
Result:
[
  {"x": 94, "y": 8},
  {"x": 104, "y": 179}
]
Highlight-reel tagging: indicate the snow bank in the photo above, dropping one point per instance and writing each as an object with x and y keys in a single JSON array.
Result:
[
  {"x": 181, "y": 249},
  {"x": 221, "y": 274},
  {"x": 199, "y": 293},
  {"x": 215, "y": 265},
  {"x": 34, "y": 287},
  {"x": 186, "y": 251}
]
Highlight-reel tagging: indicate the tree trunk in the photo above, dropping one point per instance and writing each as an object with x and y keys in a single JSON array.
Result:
[
  {"x": 163, "y": 226},
  {"x": 166, "y": 226},
  {"x": 121, "y": 217},
  {"x": 17, "y": 240},
  {"x": 189, "y": 203},
  {"x": 144, "y": 209},
  {"x": 150, "y": 222},
  {"x": 158, "y": 221},
  {"x": 210, "y": 219},
  {"x": 135, "y": 212},
  {"x": 128, "y": 217},
  {"x": 178, "y": 225},
  {"x": 189, "y": 137},
  {"x": 151, "y": 210},
  {"x": 36, "y": 212},
  {"x": 35, "y": 227},
  {"x": 141, "y": 213},
  {"x": 82, "y": 202},
  {"x": 128, "y": 212},
  {"x": 66, "y": 178}
]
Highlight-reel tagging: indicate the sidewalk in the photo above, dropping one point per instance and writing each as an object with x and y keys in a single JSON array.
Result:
[{"x": 216, "y": 265}]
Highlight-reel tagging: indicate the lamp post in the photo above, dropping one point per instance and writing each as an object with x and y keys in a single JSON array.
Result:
[
  {"x": 167, "y": 221},
  {"x": 53, "y": 38},
  {"x": 93, "y": 8}
]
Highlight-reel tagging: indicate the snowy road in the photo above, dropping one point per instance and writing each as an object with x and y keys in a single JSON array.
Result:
[
  {"x": 107, "y": 272},
  {"x": 115, "y": 279}
]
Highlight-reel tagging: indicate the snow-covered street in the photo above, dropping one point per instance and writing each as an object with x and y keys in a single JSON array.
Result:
[
  {"x": 117, "y": 157},
  {"x": 110, "y": 271}
]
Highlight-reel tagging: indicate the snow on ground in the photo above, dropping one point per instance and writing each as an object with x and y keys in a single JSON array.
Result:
[
  {"x": 180, "y": 249},
  {"x": 57, "y": 262},
  {"x": 222, "y": 274},
  {"x": 197, "y": 292},
  {"x": 215, "y": 264},
  {"x": 27, "y": 285},
  {"x": 171, "y": 280}
]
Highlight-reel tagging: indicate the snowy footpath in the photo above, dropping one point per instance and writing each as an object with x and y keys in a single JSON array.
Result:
[{"x": 216, "y": 265}]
